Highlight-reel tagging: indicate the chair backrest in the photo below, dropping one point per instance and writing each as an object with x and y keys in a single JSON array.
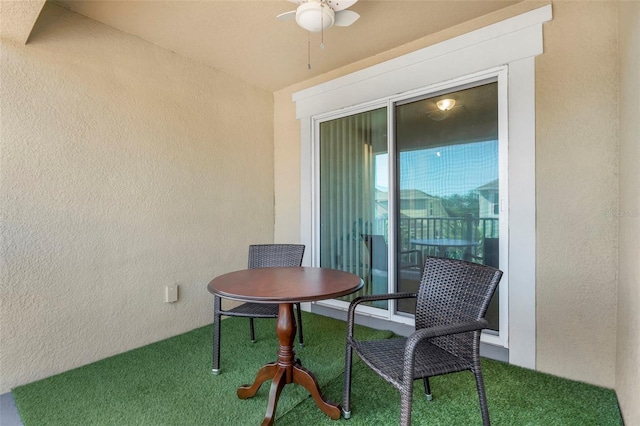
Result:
[
  {"x": 378, "y": 251},
  {"x": 453, "y": 291},
  {"x": 272, "y": 255},
  {"x": 491, "y": 252}
]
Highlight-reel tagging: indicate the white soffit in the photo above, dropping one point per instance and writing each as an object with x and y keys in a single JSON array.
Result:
[{"x": 507, "y": 41}]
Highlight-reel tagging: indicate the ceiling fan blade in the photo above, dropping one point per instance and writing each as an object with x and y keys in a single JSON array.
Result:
[
  {"x": 287, "y": 16},
  {"x": 344, "y": 18},
  {"x": 338, "y": 5}
]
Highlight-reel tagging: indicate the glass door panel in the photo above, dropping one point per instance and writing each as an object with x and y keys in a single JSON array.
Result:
[
  {"x": 353, "y": 210},
  {"x": 447, "y": 183}
]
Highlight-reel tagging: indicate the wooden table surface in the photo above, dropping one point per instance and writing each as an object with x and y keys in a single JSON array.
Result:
[{"x": 285, "y": 284}]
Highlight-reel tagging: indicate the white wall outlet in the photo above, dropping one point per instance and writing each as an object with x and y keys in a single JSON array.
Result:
[{"x": 171, "y": 293}]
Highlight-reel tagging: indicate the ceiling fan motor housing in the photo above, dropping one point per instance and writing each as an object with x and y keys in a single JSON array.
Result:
[{"x": 315, "y": 16}]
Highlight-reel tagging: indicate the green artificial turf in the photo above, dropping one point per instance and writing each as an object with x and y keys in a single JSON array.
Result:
[
  {"x": 516, "y": 397},
  {"x": 170, "y": 383}
]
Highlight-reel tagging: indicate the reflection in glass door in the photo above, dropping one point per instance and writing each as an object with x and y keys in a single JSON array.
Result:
[
  {"x": 445, "y": 181},
  {"x": 447, "y": 196}
]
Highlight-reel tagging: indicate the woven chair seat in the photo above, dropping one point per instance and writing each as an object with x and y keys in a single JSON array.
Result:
[
  {"x": 387, "y": 359},
  {"x": 257, "y": 310}
]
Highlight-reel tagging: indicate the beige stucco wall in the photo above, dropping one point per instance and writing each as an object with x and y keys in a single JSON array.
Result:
[
  {"x": 287, "y": 171},
  {"x": 17, "y": 18},
  {"x": 628, "y": 216},
  {"x": 576, "y": 184},
  {"x": 576, "y": 178},
  {"x": 124, "y": 168}
]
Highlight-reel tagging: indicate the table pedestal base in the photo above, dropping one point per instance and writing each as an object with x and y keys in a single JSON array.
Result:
[{"x": 287, "y": 370}]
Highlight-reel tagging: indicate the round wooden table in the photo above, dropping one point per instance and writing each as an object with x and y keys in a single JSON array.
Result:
[{"x": 285, "y": 286}]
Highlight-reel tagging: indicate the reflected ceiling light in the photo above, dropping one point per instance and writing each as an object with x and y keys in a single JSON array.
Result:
[{"x": 445, "y": 104}]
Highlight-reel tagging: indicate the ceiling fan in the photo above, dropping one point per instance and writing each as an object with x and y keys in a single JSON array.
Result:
[{"x": 319, "y": 15}]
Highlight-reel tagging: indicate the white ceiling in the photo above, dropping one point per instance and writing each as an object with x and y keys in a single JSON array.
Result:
[{"x": 243, "y": 37}]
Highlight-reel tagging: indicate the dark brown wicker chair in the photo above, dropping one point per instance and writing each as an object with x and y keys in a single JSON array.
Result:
[
  {"x": 377, "y": 246},
  {"x": 378, "y": 277},
  {"x": 260, "y": 256},
  {"x": 451, "y": 302}
]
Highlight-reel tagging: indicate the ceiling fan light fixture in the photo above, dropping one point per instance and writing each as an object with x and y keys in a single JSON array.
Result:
[
  {"x": 315, "y": 17},
  {"x": 446, "y": 104}
]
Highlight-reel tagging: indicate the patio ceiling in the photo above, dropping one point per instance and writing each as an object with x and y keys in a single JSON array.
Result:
[{"x": 244, "y": 39}]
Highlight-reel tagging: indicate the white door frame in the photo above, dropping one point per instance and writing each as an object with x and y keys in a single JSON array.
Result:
[{"x": 513, "y": 43}]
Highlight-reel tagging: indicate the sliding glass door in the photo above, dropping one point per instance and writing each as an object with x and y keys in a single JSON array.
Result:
[
  {"x": 447, "y": 175},
  {"x": 418, "y": 177}
]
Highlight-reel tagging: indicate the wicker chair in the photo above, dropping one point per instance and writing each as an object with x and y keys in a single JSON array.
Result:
[
  {"x": 410, "y": 268},
  {"x": 377, "y": 246},
  {"x": 260, "y": 256},
  {"x": 451, "y": 302}
]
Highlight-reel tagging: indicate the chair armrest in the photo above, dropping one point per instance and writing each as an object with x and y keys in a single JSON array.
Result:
[
  {"x": 418, "y": 258},
  {"x": 443, "y": 330},
  {"x": 360, "y": 299},
  {"x": 429, "y": 333},
  {"x": 411, "y": 251},
  {"x": 385, "y": 296}
]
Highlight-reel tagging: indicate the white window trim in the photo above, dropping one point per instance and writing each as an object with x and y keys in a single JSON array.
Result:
[{"x": 513, "y": 42}]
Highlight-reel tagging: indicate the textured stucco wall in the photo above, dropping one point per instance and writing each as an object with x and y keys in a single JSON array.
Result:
[
  {"x": 577, "y": 185},
  {"x": 576, "y": 178},
  {"x": 287, "y": 172},
  {"x": 124, "y": 168},
  {"x": 628, "y": 216},
  {"x": 17, "y": 18}
]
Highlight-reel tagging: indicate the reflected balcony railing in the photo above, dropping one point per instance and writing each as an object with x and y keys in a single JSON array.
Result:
[{"x": 470, "y": 238}]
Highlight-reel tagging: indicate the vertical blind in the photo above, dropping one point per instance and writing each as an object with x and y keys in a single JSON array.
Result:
[{"x": 347, "y": 189}]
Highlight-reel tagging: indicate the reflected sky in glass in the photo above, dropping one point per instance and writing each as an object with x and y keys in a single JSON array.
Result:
[{"x": 443, "y": 171}]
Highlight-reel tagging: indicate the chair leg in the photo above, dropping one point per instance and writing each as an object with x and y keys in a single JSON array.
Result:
[
  {"x": 346, "y": 395},
  {"x": 406, "y": 394},
  {"x": 216, "y": 335},
  {"x": 300, "y": 335},
  {"x": 252, "y": 330},
  {"x": 482, "y": 396},
  {"x": 427, "y": 389}
]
